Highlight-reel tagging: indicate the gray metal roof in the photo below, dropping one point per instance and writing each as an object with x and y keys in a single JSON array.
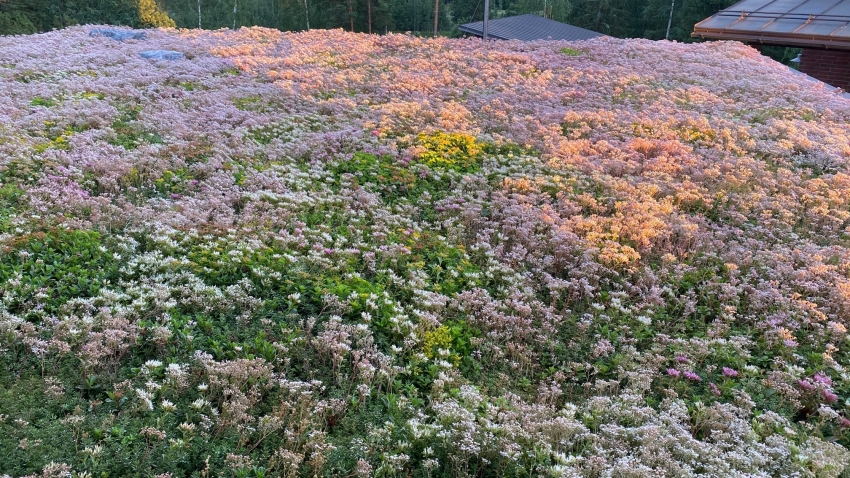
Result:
[
  {"x": 812, "y": 23},
  {"x": 529, "y": 27}
]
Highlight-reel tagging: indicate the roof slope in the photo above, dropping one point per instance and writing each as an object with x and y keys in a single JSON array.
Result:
[
  {"x": 529, "y": 27},
  {"x": 813, "y": 23}
]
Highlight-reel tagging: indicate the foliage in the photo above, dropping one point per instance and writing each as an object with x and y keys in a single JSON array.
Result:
[
  {"x": 55, "y": 267},
  {"x": 334, "y": 254},
  {"x": 16, "y": 23},
  {"x": 29, "y": 16},
  {"x": 625, "y": 19},
  {"x": 453, "y": 151},
  {"x": 151, "y": 15}
]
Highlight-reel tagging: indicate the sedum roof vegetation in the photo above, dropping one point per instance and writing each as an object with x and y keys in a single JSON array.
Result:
[{"x": 333, "y": 254}]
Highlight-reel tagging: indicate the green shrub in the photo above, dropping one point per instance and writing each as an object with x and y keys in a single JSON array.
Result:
[{"x": 59, "y": 265}]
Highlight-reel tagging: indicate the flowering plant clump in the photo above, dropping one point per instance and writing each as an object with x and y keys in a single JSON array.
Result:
[{"x": 331, "y": 254}]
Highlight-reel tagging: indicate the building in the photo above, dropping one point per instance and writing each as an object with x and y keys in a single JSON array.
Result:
[
  {"x": 527, "y": 28},
  {"x": 820, "y": 27}
]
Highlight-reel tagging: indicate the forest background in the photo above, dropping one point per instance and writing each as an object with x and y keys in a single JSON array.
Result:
[{"x": 619, "y": 18}]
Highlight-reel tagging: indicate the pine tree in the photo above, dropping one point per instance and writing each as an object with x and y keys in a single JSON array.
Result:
[
  {"x": 16, "y": 23},
  {"x": 610, "y": 17}
]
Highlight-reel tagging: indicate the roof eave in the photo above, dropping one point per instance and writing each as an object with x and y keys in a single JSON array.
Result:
[
  {"x": 768, "y": 39},
  {"x": 480, "y": 33}
]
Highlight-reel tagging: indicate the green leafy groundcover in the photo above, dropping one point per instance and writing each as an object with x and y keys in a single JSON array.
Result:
[{"x": 338, "y": 255}]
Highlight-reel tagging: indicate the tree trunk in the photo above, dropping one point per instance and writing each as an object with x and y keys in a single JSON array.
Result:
[
  {"x": 351, "y": 14},
  {"x": 670, "y": 20},
  {"x": 199, "y": 14},
  {"x": 369, "y": 14},
  {"x": 598, "y": 22},
  {"x": 234, "y": 13},
  {"x": 436, "y": 16},
  {"x": 62, "y": 14}
]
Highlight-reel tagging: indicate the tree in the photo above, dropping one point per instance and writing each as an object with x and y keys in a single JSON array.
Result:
[
  {"x": 27, "y": 16},
  {"x": 688, "y": 13},
  {"x": 464, "y": 11},
  {"x": 16, "y": 23},
  {"x": 151, "y": 15},
  {"x": 604, "y": 16},
  {"x": 558, "y": 10}
]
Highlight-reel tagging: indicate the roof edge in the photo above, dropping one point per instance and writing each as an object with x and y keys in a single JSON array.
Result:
[
  {"x": 508, "y": 24},
  {"x": 779, "y": 40},
  {"x": 480, "y": 33}
]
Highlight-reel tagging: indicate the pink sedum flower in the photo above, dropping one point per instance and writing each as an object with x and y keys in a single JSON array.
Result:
[
  {"x": 714, "y": 389},
  {"x": 821, "y": 378},
  {"x": 829, "y": 396}
]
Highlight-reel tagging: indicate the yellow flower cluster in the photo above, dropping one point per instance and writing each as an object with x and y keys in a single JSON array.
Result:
[
  {"x": 450, "y": 150},
  {"x": 433, "y": 341}
]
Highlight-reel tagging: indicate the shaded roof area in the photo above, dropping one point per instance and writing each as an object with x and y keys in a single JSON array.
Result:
[
  {"x": 804, "y": 23},
  {"x": 527, "y": 28}
]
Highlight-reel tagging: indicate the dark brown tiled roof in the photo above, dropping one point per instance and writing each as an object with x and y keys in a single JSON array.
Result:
[
  {"x": 812, "y": 23},
  {"x": 528, "y": 28}
]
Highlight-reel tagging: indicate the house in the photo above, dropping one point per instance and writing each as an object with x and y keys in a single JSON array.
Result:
[
  {"x": 527, "y": 28},
  {"x": 820, "y": 27}
]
